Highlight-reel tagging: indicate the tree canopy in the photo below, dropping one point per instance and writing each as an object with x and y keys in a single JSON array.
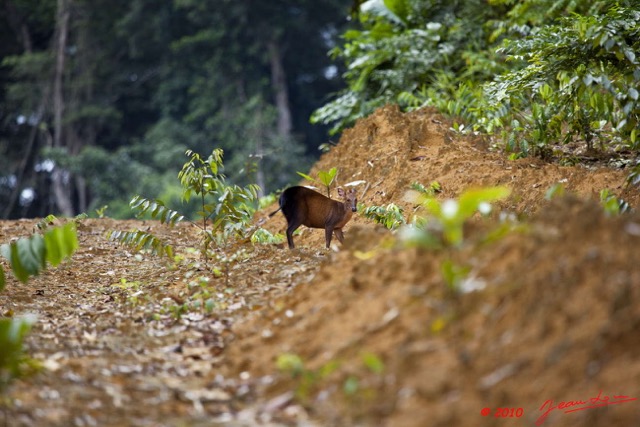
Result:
[
  {"x": 534, "y": 73},
  {"x": 100, "y": 99}
]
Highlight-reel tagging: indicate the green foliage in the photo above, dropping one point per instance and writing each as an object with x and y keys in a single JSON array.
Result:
[
  {"x": 311, "y": 380},
  {"x": 13, "y": 362},
  {"x": 454, "y": 275},
  {"x": 325, "y": 178},
  {"x": 533, "y": 73},
  {"x": 352, "y": 385},
  {"x": 432, "y": 190},
  {"x": 556, "y": 190},
  {"x": 403, "y": 50},
  {"x": 233, "y": 206},
  {"x": 611, "y": 204},
  {"x": 373, "y": 363},
  {"x": 45, "y": 222},
  {"x": 580, "y": 80},
  {"x": 101, "y": 212},
  {"x": 140, "y": 240},
  {"x": 306, "y": 379},
  {"x": 156, "y": 209},
  {"x": 225, "y": 210},
  {"x": 136, "y": 95},
  {"x": 267, "y": 200},
  {"x": 28, "y": 256},
  {"x": 112, "y": 175},
  {"x": 264, "y": 237},
  {"x": 201, "y": 295},
  {"x": 51, "y": 219},
  {"x": 391, "y": 216},
  {"x": 448, "y": 217},
  {"x": 634, "y": 176},
  {"x": 132, "y": 291},
  {"x": 290, "y": 363}
]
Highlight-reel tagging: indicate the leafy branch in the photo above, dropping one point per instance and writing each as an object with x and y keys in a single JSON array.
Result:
[
  {"x": 325, "y": 178},
  {"x": 225, "y": 210},
  {"x": 447, "y": 218},
  {"x": 157, "y": 210},
  {"x": 28, "y": 256}
]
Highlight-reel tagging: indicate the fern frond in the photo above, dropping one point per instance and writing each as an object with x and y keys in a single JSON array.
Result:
[
  {"x": 157, "y": 210},
  {"x": 142, "y": 240}
]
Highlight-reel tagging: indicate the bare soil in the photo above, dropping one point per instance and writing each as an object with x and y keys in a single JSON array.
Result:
[{"x": 550, "y": 314}]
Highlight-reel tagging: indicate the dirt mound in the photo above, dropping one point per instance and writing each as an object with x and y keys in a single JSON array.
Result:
[
  {"x": 557, "y": 319},
  {"x": 541, "y": 320},
  {"x": 390, "y": 150},
  {"x": 554, "y": 319}
]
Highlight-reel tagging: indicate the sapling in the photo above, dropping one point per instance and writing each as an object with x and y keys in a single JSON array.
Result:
[
  {"x": 226, "y": 210},
  {"x": 449, "y": 216},
  {"x": 325, "y": 178},
  {"x": 27, "y": 257}
]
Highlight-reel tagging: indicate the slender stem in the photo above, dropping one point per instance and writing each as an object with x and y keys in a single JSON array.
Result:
[{"x": 204, "y": 228}]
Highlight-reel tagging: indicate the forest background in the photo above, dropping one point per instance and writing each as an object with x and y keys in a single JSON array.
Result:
[{"x": 99, "y": 100}]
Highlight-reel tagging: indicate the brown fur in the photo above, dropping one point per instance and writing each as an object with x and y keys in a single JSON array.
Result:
[{"x": 304, "y": 206}]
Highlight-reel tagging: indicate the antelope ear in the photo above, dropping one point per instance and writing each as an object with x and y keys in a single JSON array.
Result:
[{"x": 341, "y": 192}]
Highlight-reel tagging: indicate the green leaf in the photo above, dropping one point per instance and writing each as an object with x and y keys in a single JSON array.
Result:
[
  {"x": 305, "y": 176},
  {"x": 471, "y": 200},
  {"x": 373, "y": 363},
  {"x": 13, "y": 364},
  {"x": 18, "y": 270},
  {"x": 141, "y": 240},
  {"x": 556, "y": 190},
  {"x": 327, "y": 177},
  {"x": 289, "y": 362},
  {"x": 28, "y": 257},
  {"x": 351, "y": 386},
  {"x": 60, "y": 243}
]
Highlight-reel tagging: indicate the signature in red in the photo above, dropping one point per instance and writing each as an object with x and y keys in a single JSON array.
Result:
[{"x": 581, "y": 405}]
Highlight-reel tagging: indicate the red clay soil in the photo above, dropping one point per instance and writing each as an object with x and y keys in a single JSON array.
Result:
[
  {"x": 544, "y": 320},
  {"x": 558, "y": 318}
]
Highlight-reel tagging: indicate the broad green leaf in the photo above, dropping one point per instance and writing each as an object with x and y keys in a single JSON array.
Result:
[
  {"x": 305, "y": 176},
  {"x": 61, "y": 242},
  {"x": 470, "y": 200},
  {"x": 12, "y": 361},
  {"x": 31, "y": 254},
  {"x": 18, "y": 269},
  {"x": 54, "y": 249}
]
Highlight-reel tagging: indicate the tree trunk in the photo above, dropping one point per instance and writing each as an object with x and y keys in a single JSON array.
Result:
[
  {"x": 17, "y": 23},
  {"x": 83, "y": 200},
  {"x": 279, "y": 84},
  {"x": 61, "y": 181},
  {"x": 25, "y": 162},
  {"x": 259, "y": 138}
]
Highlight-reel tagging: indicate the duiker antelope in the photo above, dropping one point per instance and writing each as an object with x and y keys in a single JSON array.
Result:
[{"x": 303, "y": 206}]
